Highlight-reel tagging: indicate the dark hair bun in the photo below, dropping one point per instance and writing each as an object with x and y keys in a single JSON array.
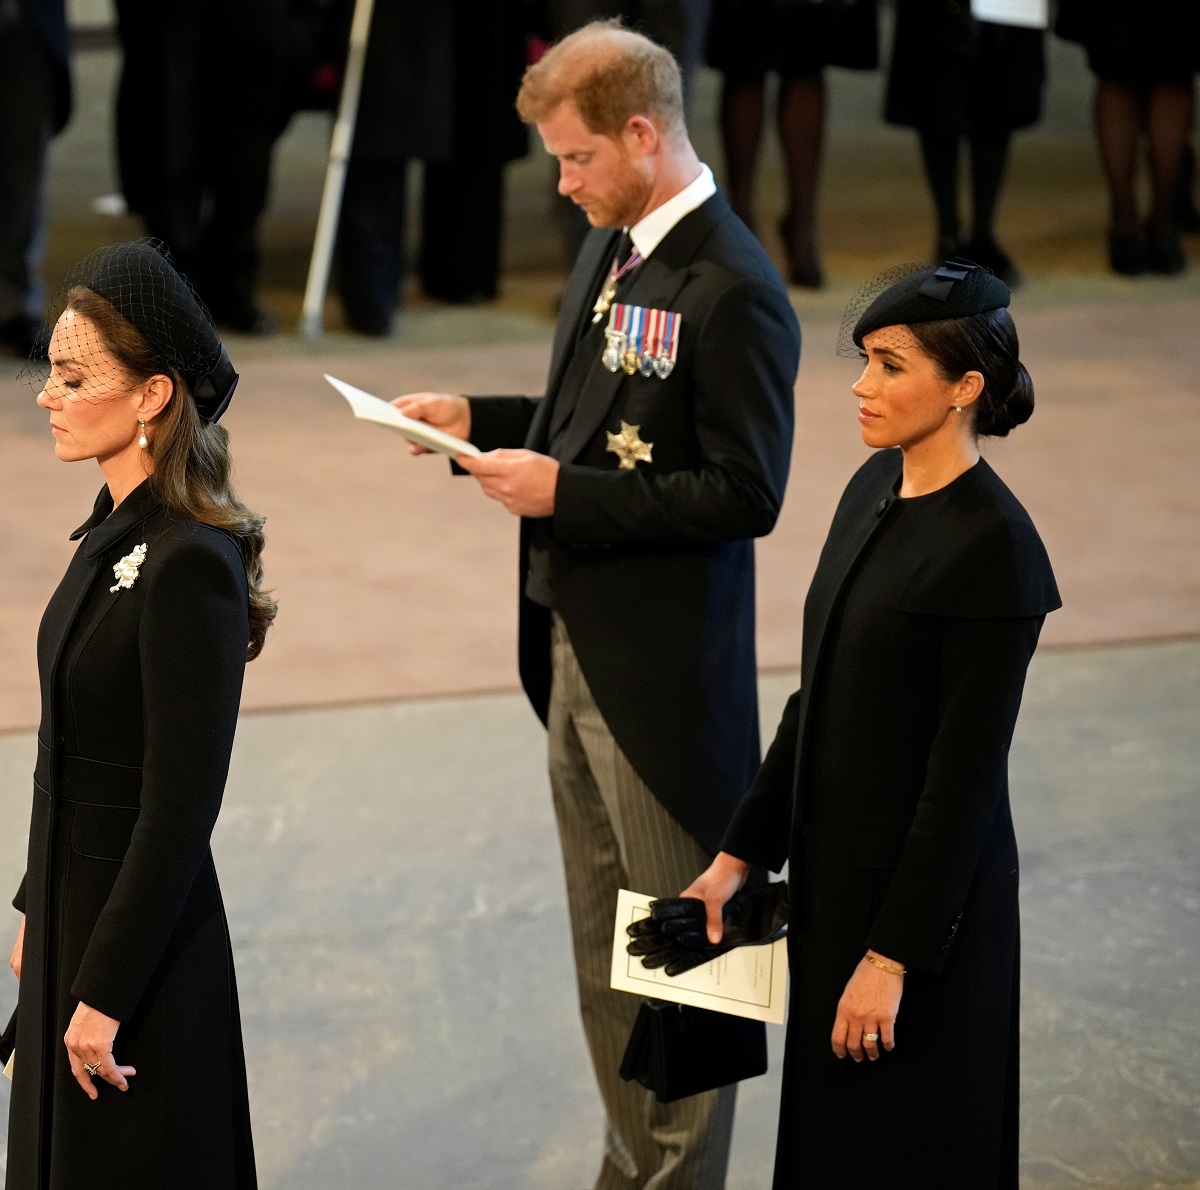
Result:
[{"x": 996, "y": 416}]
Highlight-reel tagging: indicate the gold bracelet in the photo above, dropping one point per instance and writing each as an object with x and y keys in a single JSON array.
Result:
[{"x": 883, "y": 966}]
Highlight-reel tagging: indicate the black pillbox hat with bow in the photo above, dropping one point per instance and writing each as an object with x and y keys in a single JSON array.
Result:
[
  {"x": 143, "y": 285},
  {"x": 956, "y": 289}
]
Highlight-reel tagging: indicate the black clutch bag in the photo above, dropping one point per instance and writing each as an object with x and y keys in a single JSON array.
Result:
[{"x": 676, "y": 1050}]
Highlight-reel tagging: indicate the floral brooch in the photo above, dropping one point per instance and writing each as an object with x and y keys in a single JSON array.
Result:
[{"x": 126, "y": 570}]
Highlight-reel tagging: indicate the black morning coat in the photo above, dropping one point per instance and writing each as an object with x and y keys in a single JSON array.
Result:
[
  {"x": 140, "y": 691},
  {"x": 653, "y": 569},
  {"x": 886, "y": 789}
]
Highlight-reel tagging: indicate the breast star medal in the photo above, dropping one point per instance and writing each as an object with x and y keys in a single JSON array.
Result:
[{"x": 629, "y": 447}]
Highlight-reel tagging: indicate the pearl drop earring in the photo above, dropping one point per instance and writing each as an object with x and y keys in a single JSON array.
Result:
[{"x": 143, "y": 441}]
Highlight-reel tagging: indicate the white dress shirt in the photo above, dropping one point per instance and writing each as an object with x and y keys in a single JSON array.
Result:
[{"x": 648, "y": 232}]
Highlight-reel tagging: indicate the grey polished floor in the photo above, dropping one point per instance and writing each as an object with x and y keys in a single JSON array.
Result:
[{"x": 394, "y": 889}]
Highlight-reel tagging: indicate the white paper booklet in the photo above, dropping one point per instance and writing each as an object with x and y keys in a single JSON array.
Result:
[
  {"x": 1028, "y": 14},
  {"x": 748, "y": 981},
  {"x": 8, "y": 1070},
  {"x": 371, "y": 408}
]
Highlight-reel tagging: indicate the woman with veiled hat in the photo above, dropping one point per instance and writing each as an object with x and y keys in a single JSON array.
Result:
[
  {"x": 128, "y": 1066},
  {"x": 886, "y": 787}
]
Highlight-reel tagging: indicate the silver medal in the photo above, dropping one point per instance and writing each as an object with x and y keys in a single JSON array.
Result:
[
  {"x": 646, "y": 364},
  {"x": 664, "y": 366},
  {"x": 611, "y": 357}
]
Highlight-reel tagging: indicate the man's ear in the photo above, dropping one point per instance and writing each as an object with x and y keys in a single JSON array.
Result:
[{"x": 641, "y": 134}]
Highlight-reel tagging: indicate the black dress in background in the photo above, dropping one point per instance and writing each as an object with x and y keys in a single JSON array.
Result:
[
  {"x": 792, "y": 38},
  {"x": 140, "y": 690},
  {"x": 1142, "y": 42},
  {"x": 951, "y": 72},
  {"x": 889, "y": 773}
]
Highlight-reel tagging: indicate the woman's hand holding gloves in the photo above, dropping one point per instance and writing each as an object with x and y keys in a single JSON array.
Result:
[
  {"x": 710, "y": 918},
  {"x": 89, "y": 1042}
]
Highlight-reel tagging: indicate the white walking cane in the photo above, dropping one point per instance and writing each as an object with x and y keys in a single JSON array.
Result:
[{"x": 335, "y": 172}]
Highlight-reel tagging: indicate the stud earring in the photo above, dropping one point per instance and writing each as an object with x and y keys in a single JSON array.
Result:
[
  {"x": 143, "y": 441},
  {"x": 958, "y": 408}
]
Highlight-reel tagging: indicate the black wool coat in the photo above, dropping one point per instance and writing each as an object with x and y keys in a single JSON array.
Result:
[
  {"x": 952, "y": 73},
  {"x": 887, "y": 790},
  {"x": 653, "y": 569},
  {"x": 140, "y": 691}
]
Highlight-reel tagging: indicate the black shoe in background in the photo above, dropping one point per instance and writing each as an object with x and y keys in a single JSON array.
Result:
[
  {"x": 1164, "y": 252},
  {"x": 1127, "y": 253},
  {"x": 245, "y": 318},
  {"x": 988, "y": 253}
]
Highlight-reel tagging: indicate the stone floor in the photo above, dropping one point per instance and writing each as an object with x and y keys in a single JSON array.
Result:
[{"x": 393, "y": 885}]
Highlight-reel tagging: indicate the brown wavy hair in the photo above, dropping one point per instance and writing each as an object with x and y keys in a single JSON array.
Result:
[{"x": 191, "y": 474}]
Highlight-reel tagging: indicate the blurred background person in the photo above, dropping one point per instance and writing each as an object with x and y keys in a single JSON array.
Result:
[
  {"x": 796, "y": 39},
  {"x": 197, "y": 111},
  {"x": 1144, "y": 54},
  {"x": 439, "y": 85},
  {"x": 35, "y": 102},
  {"x": 954, "y": 79}
]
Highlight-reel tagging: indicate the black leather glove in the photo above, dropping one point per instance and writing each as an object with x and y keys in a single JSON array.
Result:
[{"x": 675, "y": 935}]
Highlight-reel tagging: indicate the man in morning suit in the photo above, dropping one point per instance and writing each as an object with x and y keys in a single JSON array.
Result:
[{"x": 659, "y": 451}]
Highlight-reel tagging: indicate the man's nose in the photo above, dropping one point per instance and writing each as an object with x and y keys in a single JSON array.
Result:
[{"x": 567, "y": 182}]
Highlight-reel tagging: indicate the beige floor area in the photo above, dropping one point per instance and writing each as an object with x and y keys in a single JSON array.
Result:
[{"x": 396, "y": 581}]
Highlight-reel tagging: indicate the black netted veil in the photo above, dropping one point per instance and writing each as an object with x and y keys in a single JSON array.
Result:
[{"x": 144, "y": 286}]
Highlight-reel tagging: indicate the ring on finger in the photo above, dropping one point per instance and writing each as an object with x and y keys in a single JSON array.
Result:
[
  {"x": 93, "y": 1068},
  {"x": 871, "y": 1037}
]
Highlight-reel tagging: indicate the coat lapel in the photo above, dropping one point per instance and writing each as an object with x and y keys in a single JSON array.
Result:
[
  {"x": 595, "y": 257},
  {"x": 656, "y": 285},
  {"x": 103, "y": 529},
  {"x": 848, "y": 537}
]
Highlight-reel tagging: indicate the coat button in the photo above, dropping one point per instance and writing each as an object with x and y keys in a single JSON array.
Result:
[{"x": 881, "y": 507}]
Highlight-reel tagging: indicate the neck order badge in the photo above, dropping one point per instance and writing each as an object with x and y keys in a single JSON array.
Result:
[{"x": 639, "y": 339}]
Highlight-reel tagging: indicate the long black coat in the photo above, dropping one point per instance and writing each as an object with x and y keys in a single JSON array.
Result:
[
  {"x": 140, "y": 691},
  {"x": 653, "y": 569},
  {"x": 950, "y": 72},
  {"x": 887, "y": 789}
]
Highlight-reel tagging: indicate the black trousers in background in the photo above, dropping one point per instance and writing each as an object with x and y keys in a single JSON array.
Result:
[
  {"x": 196, "y": 121},
  {"x": 461, "y": 216},
  {"x": 26, "y": 122}
]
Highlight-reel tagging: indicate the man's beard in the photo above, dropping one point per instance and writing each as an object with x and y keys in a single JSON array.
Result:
[{"x": 624, "y": 204}]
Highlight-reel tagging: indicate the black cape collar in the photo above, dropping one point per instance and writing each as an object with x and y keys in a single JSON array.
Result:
[{"x": 106, "y": 526}]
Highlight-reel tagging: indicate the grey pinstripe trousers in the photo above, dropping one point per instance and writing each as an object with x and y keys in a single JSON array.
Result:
[{"x": 615, "y": 834}]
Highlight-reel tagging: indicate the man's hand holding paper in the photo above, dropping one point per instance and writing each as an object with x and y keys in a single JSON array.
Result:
[{"x": 443, "y": 411}]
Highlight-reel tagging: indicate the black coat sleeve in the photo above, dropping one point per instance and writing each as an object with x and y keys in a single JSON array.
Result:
[
  {"x": 499, "y": 423},
  {"x": 19, "y": 899},
  {"x": 747, "y": 354},
  {"x": 982, "y": 676},
  {"x": 761, "y": 826},
  {"x": 193, "y": 639}
]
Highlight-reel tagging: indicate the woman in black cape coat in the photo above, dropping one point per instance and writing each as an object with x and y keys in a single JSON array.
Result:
[
  {"x": 886, "y": 785},
  {"x": 124, "y": 948}
]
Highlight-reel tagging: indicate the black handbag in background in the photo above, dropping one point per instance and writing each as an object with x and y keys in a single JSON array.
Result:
[{"x": 675, "y": 1050}]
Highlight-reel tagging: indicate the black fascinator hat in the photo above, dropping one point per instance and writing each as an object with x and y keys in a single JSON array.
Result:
[
  {"x": 143, "y": 285},
  {"x": 920, "y": 293}
]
